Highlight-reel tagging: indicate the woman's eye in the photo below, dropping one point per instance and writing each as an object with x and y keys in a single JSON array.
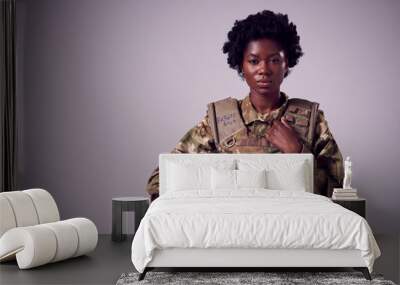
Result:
[
  {"x": 253, "y": 61},
  {"x": 276, "y": 60}
]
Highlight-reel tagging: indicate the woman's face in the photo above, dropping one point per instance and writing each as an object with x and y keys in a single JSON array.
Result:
[{"x": 264, "y": 66}]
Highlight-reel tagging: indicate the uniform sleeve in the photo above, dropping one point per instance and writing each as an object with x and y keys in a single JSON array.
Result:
[
  {"x": 198, "y": 139},
  {"x": 328, "y": 172}
]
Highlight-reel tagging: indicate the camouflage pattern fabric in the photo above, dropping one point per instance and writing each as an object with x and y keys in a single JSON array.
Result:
[{"x": 328, "y": 169}]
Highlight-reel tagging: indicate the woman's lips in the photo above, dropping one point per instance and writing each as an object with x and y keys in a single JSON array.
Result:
[{"x": 264, "y": 84}]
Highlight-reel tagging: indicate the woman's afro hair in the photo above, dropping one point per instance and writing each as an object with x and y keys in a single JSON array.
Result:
[{"x": 265, "y": 24}]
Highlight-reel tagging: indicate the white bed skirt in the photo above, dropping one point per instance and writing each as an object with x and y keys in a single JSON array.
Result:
[{"x": 235, "y": 257}]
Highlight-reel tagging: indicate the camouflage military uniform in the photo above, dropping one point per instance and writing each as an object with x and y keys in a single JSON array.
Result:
[{"x": 328, "y": 172}]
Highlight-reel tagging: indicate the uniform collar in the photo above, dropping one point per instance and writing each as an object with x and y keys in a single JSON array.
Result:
[{"x": 250, "y": 114}]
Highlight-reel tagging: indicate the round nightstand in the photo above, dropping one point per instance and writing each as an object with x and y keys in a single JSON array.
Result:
[{"x": 138, "y": 205}]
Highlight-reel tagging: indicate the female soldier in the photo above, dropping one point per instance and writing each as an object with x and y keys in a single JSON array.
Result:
[{"x": 262, "y": 48}]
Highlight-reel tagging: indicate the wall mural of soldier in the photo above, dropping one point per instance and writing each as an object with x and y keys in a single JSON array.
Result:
[{"x": 263, "y": 48}]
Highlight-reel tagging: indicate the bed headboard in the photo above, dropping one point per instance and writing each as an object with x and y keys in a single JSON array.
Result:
[{"x": 272, "y": 161}]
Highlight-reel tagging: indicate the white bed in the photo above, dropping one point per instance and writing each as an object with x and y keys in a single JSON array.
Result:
[{"x": 219, "y": 210}]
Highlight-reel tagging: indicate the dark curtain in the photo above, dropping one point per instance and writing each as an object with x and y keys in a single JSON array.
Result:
[{"x": 7, "y": 92}]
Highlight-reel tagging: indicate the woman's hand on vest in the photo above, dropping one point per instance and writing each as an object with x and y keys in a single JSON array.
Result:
[{"x": 283, "y": 137}]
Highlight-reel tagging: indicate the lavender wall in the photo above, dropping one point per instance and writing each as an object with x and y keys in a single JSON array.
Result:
[{"x": 104, "y": 86}]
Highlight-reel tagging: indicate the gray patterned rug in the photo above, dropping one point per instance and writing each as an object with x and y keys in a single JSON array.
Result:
[{"x": 270, "y": 278}]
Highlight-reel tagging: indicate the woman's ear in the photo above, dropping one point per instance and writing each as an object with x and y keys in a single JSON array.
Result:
[
  {"x": 286, "y": 67},
  {"x": 241, "y": 73},
  {"x": 286, "y": 73}
]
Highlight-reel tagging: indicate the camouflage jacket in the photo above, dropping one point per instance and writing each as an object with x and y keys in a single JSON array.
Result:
[{"x": 328, "y": 172}]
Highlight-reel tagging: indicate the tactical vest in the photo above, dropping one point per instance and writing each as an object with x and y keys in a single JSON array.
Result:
[{"x": 232, "y": 136}]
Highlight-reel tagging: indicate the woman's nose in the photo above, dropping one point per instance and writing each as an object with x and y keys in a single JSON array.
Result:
[{"x": 264, "y": 68}]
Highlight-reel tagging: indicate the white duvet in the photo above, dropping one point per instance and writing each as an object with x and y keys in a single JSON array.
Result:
[{"x": 251, "y": 218}]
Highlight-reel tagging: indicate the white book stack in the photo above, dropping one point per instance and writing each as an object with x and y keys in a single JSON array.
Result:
[{"x": 344, "y": 194}]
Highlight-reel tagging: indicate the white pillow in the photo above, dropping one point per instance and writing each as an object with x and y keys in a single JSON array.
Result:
[
  {"x": 251, "y": 178},
  {"x": 181, "y": 177},
  {"x": 281, "y": 175},
  {"x": 223, "y": 179},
  {"x": 288, "y": 178},
  {"x": 184, "y": 175},
  {"x": 236, "y": 179}
]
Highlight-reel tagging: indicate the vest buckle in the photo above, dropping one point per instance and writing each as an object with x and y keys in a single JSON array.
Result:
[{"x": 230, "y": 142}]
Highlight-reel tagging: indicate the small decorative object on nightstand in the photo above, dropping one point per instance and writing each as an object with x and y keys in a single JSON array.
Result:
[
  {"x": 347, "y": 173},
  {"x": 344, "y": 194},
  {"x": 138, "y": 205},
  {"x": 357, "y": 205}
]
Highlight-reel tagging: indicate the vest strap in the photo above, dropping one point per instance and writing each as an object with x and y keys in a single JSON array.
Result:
[
  {"x": 225, "y": 119},
  {"x": 302, "y": 116}
]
